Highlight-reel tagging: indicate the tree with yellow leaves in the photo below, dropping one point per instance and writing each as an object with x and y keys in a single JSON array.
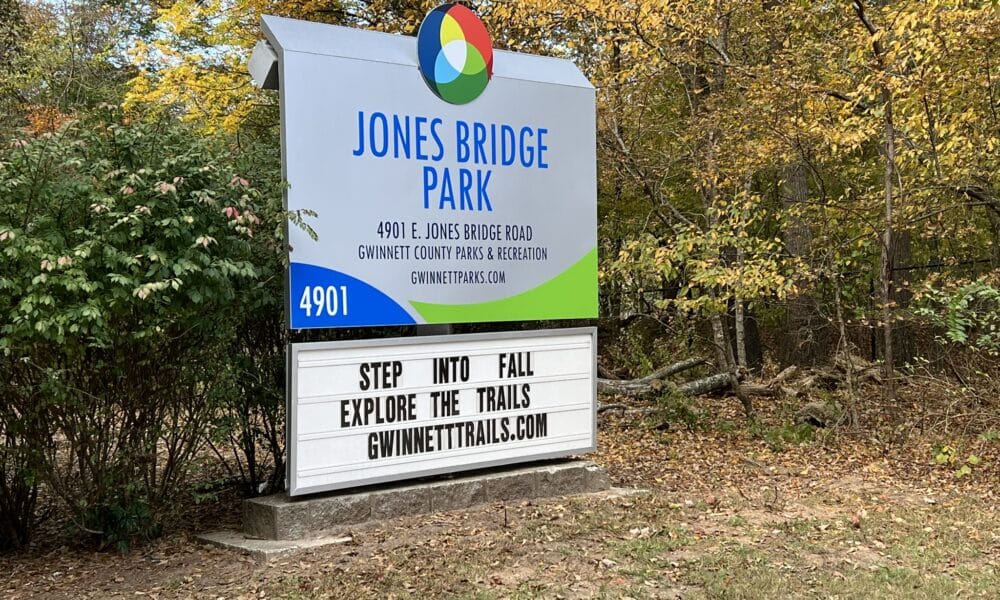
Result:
[{"x": 776, "y": 158}]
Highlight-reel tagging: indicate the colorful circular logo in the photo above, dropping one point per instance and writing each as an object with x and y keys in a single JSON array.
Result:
[{"x": 456, "y": 53}]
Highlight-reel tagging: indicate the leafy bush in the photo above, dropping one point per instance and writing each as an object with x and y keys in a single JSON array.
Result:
[
  {"x": 121, "y": 521},
  {"x": 251, "y": 420},
  {"x": 780, "y": 437},
  {"x": 126, "y": 248},
  {"x": 967, "y": 313},
  {"x": 679, "y": 409},
  {"x": 18, "y": 485},
  {"x": 948, "y": 455}
]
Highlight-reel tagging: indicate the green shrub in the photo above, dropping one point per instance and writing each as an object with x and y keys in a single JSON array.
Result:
[
  {"x": 116, "y": 524},
  {"x": 126, "y": 250},
  {"x": 967, "y": 313},
  {"x": 679, "y": 409},
  {"x": 778, "y": 438},
  {"x": 251, "y": 420},
  {"x": 19, "y": 436}
]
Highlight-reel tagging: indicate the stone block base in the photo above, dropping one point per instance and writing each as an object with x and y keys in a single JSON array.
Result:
[{"x": 279, "y": 517}]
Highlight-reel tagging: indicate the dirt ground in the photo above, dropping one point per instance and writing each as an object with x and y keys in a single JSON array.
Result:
[{"x": 724, "y": 513}]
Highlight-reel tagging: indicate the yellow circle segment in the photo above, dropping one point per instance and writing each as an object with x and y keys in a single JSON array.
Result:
[{"x": 450, "y": 30}]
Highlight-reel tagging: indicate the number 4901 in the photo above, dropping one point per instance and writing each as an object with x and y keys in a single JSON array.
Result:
[{"x": 330, "y": 300}]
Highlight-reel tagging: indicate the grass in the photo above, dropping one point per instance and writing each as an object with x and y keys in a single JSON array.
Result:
[
  {"x": 753, "y": 574},
  {"x": 774, "y": 513},
  {"x": 647, "y": 548},
  {"x": 813, "y": 558}
]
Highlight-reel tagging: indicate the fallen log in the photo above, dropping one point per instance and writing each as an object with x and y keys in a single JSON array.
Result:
[
  {"x": 652, "y": 383},
  {"x": 791, "y": 392},
  {"x": 820, "y": 378},
  {"x": 852, "y": 362},
  {"x": 862, "y": 370},
  {"x": 634, "y": 388},
  {"x": 624, "y": 410},
  {"x": 786, "y": 374},
  {"x": 754, "y": 389},
  {"x": 675, "y": 368},
  {"x": 712, "y": 383},
  {"x": 698, "y": 387}
]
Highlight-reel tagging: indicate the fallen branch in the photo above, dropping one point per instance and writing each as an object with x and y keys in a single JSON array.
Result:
[
  {"x": 753, "y": 389},
  {"x": 712, "y": 383},
  {"x": 698, "y": 387},
  {"x": 603, "y": 408},
  {"x": 675, "y": 368},
  {"x": 784, "y": 376},
  {"x": 604, "y": 373},
  {"x": 625, "y": 411},
  {"x": 654, "y": 382}
]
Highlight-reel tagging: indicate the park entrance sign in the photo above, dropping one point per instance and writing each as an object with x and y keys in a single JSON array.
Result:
[
  {"x": 439, "y": 181},
  {"x": 444, "y": 182}
]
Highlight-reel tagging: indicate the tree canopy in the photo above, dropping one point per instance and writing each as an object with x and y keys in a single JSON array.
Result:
[{"x": 786, "y": 179}]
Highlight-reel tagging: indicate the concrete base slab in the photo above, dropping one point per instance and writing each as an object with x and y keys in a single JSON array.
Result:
[
  {"x": 280, "y": 517},
  {"x": 264, "y": 550}
]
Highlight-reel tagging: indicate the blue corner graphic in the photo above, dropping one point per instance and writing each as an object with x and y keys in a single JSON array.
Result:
[{"x": 326, "y": 298}]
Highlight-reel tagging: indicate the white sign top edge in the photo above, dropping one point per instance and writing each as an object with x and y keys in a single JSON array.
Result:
[{"x": 293, "y": 35}]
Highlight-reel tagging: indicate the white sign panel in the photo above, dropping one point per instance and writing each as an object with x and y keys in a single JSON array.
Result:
[
  {"x": 434, "y": 204},
  {"x": 382, "y": 410}
]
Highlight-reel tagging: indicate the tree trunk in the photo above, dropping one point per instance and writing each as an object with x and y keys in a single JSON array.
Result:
[
  {"x": 903, "y": 344},
  {"x": 741, "y": 337},
  {"x": 802, "y": 322},
  {"x": 653, "y": 382},
  {"x": 845, "y": 346},
  {"x": 886, "y": 268},
  {"x": 887, "y": 271},
  {"x": 705, "y": 385},
  {"x": 727, "y": 364},
  {"x": 739, "y": 312},
  {"x": 995, "y": 228},
  {"x": 712, "y": 383}
]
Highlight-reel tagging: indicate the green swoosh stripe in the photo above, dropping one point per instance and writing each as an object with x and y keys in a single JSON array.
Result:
[{"x": 570, "y": 295}]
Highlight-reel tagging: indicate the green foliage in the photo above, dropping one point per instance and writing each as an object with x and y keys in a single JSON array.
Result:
[
  {"x": 117, "y": 525},
  {"x": 251, "y": 419},
  {"x": 679, "y": 409},
  {"x": 947, "y": 455},
  {"x": 966, "y": 468},
  {"x": 12, "y": 32},
  {"x": 113, "y": 230},
  {"x": 643, "y": 345},
  {"x": 990, "y": 436},
  {"x": 726, "y": 426},
  {"x": 967, "y": 313},
  {"x": 64, "y": 58},
  {"x": 127, "y": 253},
  {"x": 778, "y": 438},
  {"x": 944, "y": 454},
  {"x": 696, "y": 259}
]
